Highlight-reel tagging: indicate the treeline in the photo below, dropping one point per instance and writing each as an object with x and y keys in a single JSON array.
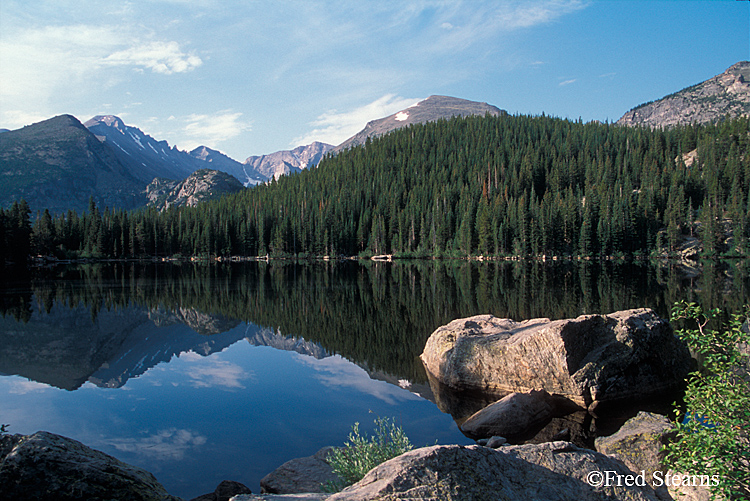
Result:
[{"x": 507, "y": 185}]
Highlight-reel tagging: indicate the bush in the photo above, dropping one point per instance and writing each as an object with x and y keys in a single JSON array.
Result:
[
  {"x": 714, "y": 437},
  {"x": 361, "y": 454}
]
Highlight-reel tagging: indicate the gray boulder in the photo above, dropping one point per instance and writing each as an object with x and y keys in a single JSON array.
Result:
[
  {"x": 307, "y": 474},
  {"x": 553, "y": 471},
  {"x": 626, "y": 355},
  {"x": 49, "y": 466}
]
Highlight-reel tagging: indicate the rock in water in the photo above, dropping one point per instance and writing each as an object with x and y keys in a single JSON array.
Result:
[
  {"x": 49, "y": 466},
  {"x": 552, "y": 471},
  {"x": 623, "y": 356},
  {"x": 308, "y": 474}
]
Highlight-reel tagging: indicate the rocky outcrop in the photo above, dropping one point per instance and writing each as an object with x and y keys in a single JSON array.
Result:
[
  {"x": 591, "y": 359},
  {"x": 201, "y": 186},
  {"x": 724, "y": 95},
  {"x": 518, "y": 415},
  {"x": 308, "y": 474},
  {"x": 553, "y": 471},
  {"x": 49, "y": 466}
]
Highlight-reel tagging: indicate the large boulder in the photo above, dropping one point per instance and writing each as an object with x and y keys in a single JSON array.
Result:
[
  {"x": 624, "y": 356},
  {"x": 49, "y": 466},
  {"x": 307, "y": 474},
  {"x": 552, "y": 471}
]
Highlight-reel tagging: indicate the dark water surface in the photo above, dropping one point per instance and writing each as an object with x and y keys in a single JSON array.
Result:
[{"x": 201, "y": 373}]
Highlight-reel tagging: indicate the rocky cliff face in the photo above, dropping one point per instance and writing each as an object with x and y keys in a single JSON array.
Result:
[
  {"x": 706, "y": 102},
  {"x": 200, "y": 186}
]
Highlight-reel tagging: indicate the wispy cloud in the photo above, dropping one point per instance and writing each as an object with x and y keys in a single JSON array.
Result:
[
  {"x": 211, "y": 130},
  {"x": 567, "y": 82},
  {"x": 21, "y": 387},
  {"x": 335, "y": 127},
  {"x": 160, "y": 57},
  {"x": 168, "y": 444}
]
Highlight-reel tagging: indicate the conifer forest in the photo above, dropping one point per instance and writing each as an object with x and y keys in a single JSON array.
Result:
[{"x": 509, "y": 185}]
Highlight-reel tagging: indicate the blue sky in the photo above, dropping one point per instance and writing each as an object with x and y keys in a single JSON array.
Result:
[{"x": 253, "y": 77}]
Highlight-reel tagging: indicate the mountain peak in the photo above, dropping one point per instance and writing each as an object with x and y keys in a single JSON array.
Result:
[
  {"x": 108, "y": 120},
  {"x": 429, "y": 110}
]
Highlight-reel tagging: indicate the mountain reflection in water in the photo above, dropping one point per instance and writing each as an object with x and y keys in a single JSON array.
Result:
[{"x": 170, "y": 345}]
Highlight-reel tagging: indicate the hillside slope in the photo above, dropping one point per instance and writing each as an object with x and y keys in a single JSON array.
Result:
[
  {"x": 58, "y": 164},
  {"x": 724, "y": 95}
]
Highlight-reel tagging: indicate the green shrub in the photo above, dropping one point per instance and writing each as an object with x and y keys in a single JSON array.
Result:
[
  {"x": 361, "y": 454},
  {"x": 714, "y": 437}
]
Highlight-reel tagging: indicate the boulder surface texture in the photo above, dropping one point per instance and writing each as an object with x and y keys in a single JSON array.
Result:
[
  {"x": 552, "y": 471},
  {"x": 48, "y": 466},
  {"x": 625, "y": 355}
]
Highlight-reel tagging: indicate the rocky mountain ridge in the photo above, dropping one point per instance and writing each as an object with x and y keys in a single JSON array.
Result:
[
  {"x": 286, "y": 162},
  {"x": 727, "y": 94}
]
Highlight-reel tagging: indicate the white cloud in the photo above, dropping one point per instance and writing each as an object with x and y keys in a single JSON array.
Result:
[
  {"x": 336, "y": 127},
  {"x": 168, "y": 444},
  {"x": 23, "y": 387},
  {"x": 159, "y": 57},
  {"x": 211, "y": 130},
  {"x": 337, "y": 372},
  {"x": 567, "y": 82}
]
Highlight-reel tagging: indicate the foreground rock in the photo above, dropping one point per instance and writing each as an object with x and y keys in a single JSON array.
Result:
[
  {"x": 627, "y": 355},
  {"x": 552, "y": 471},
  {"x": 225, "y": 491},
  {"x": 49, "y": 466},
  {"x": 308, "y": 474},
  {"x": 517, "y": 416}
]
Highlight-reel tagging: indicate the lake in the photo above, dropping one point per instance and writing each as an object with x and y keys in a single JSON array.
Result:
[{"x": 205, "y": 372}]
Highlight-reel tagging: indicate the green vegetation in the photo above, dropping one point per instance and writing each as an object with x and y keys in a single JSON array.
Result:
[
  {"x": 361, "y": 454},
  {"x": 714, "y": 437},
  {"x": 490, "y": 186}
]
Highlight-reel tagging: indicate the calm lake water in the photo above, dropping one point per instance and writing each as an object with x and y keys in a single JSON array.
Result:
[{"x": 201, "y": 373}]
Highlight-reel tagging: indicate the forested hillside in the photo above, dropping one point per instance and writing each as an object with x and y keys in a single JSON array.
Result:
[{"x": 504, "y": 185}]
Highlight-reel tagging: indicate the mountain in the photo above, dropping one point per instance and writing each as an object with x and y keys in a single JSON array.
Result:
[
  {"x": 58, "y": 164},
  {"x": 144, "y": 156},
  {"x": 706, "y": 102},
  {"x": 200, "y": 186},
  {"x": 149, "y": 158},
  {"x": 430, "y": 110},
  {"x": 219, "y": 161},
  {"x": 288, "y": 161}
]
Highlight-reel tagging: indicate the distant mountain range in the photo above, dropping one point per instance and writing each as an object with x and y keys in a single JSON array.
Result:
[
  {"x": 60, "y": 163},
  {"x": 724, "y": 95}
]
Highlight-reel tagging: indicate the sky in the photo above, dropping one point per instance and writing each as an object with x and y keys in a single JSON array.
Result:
[{"x": 251, "y": 77}]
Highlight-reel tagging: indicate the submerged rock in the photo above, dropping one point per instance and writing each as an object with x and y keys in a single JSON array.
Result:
[
  {"x": 49, "y": 466},
  {"x": 623, "y": 356},
  {"x": 553, "y": 471},
  {"x": 517, "y": 415}
]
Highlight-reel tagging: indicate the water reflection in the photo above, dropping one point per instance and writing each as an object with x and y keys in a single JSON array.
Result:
[{"x": 201, "y": 373}]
